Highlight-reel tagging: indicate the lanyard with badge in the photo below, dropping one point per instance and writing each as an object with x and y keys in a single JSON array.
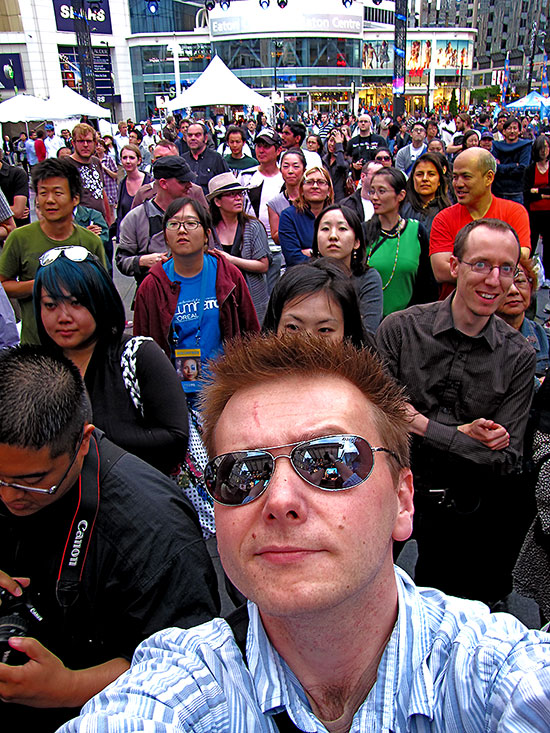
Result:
[{"x": 188, "y": 361}]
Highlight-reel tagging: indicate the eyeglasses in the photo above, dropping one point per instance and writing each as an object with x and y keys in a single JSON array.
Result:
[
  {"x": 382, "y": 157},
  {"x": 189, "y": 225},
  {"x": 521, "y": 281},
  {"x": 75, "y": 253},
  {"x": 330, "y": 463},
  {"x": 482, "y": 267},
  {"x": 55, "y": 487},
  {"x": 320, "y": 183}
]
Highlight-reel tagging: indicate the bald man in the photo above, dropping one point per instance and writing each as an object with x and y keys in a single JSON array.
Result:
[{"x": 473, "y": 175}]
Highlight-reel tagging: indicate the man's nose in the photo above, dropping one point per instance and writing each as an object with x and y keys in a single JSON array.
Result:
[{"x": 285, "y": 495}]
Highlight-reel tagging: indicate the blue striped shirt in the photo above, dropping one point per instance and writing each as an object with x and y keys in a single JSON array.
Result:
[{"x": 449, "y": 666}]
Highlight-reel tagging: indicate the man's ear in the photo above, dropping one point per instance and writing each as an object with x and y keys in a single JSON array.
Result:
[
  {"x": 453, "y": 264},
  {"x": 403, "y": 526},
  {"x": 87, "y": 434}
]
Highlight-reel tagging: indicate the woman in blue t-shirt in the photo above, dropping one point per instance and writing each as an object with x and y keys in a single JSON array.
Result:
[{"x": 190, "y": 305}]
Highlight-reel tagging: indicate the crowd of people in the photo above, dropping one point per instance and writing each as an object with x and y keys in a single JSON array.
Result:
[{"x": 358, "y": 292}]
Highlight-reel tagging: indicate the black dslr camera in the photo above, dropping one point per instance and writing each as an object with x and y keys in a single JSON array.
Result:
[{"x": 16, "y": 615}]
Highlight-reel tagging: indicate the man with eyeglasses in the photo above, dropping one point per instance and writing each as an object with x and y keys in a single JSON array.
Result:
[
  {"x": 310, "y": 476},
  {"x": 470, "y": 380},
  {"x": 473, "y": 175},
  {"x": 103, "y": 546},
  {"x": 58, "y": 187},
  {"x": 141, "y": 244}
]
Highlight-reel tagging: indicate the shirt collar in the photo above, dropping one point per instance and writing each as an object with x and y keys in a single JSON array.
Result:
[
  {"x": 444, "y": 322},
  {"x": 402, "y": 667}
]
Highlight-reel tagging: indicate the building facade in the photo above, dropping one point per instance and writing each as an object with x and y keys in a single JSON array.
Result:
[{"x": 313, "y": 54}]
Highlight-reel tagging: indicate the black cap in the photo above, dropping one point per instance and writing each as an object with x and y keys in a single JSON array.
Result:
[
  {"x": 268, "y": 136},
  {"x": 173, "y": 166}
]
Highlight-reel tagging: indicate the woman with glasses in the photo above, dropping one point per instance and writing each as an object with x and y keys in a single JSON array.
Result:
[
  {"x": 396, "y": 247},
  {"x": 336, "y": 164},
  {"x": 194, "y": 301},
  {"x": 512, "y": 310},
  {"x": 426, "y": 191},
  {"x": 314, "y": 144},
  {"x": 135, "y": 395},
  {"x": 296, "y": 223},
  {"x": 191, "y": 304},
  {"x": 338, "y": 236},
  {"x": 239, "y": 238}
]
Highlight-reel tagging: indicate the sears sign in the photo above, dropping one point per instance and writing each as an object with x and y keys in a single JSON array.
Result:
[{"x": 96, "y": 12}]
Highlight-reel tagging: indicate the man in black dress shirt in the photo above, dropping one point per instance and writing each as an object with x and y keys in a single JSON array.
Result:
[
  {"x": 203, "y": 161},
  {"x": 469, "y": 377}
]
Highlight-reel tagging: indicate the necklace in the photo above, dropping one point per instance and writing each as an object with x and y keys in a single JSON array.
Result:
[{"x": 397, "y": 229}]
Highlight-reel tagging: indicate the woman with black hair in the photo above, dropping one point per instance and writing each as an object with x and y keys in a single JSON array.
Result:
[
  {"x": 396, "y": 247},
  {"x": 338, "y": 235},
  {"x": 426, "y": 191},
  {"x": 136, "y": 396},
  {"x": 292, "y": 165},
  {"x": 316, "y": 297},
  {"x": 336, "y": 164},
  {"x": 536, "y": 195}
]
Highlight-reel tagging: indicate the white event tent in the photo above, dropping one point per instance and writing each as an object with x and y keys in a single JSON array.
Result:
[
  {"x": 24, "y": 108},
  {"x": 218, "y": 85},
  {"x": 68, "y": 103}
]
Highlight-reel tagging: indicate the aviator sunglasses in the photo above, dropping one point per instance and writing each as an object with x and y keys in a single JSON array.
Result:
[
  {"x": 73, "y": 252},
  {"x": 330, "y": 463}
]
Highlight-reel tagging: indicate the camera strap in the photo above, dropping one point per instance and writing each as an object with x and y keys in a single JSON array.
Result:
[{"x": 80, "y": 533}]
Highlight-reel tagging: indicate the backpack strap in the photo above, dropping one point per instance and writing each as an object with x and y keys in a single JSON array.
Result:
[
  {"x": 129, "y": 371},
  {"x": 238, "y": 622}
]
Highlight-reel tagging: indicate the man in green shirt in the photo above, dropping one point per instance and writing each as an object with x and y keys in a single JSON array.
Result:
[{"x": 57, "y": 187}]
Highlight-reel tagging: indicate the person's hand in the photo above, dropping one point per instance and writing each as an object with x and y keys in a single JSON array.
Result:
[
  {"x": 150, "y": 260},
  {"x": 42, "y": 682},
  {"x": 337, "y": 135},
  {"x": 13, "y": 585},
  {"x": 307, "y": 252},
  {"x": 488, "y": 432},
  {"x": 26, "y": 212},
  {"x": 94, "y": 228}
]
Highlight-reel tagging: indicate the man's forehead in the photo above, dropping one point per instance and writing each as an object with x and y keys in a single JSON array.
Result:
[
  {"x": 483, "y": 238},
  {"x": 276, "y": 410}
]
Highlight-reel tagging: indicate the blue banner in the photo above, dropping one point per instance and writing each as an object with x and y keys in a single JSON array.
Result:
[{"x": 96, "y": 12}]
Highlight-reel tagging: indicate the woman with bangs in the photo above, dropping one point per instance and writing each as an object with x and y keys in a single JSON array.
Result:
[
  {"x": 296, "y": 223},
  {"x": 426, "y": 191},
  {"x": 135, "y": 394},
  {"x": 397, "y": 247},
  {"x": 338, "y": 236}
]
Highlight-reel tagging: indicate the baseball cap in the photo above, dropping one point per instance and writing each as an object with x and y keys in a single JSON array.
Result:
[
  {"x": 268, "y": 136},
  {"x": 487, "y": 135},
  {"x": 173, "y": 166},
  {"x": 49, "y": 126}
]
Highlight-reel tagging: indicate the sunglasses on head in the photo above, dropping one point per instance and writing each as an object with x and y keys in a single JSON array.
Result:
[
  {"x": 75, "y": 253},
  {"x": 330, "y": 463}
]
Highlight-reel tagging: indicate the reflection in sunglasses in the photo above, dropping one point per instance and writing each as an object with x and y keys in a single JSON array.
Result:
[{"x": 331, "y": 463}]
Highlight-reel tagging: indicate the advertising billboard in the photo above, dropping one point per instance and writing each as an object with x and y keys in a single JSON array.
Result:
[
  {"x": 97, "y": 13},
  {"x": 377, "y": 55}
]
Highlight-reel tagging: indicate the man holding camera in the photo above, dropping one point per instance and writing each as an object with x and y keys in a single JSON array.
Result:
[{"x": 104, "y": 548}]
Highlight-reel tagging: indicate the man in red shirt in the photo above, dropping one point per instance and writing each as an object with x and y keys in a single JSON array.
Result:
[{"x": 473, "y": 174}]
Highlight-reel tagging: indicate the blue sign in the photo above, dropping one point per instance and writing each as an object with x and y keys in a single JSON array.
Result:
[
  {"x": 11, "y": 72},
  {"x": 96, "y": 12}
]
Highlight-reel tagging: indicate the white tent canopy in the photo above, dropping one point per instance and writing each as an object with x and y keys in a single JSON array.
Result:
[
  {"x": 218, "y": 85},
  {"x": 68, "y": 103},
  {"x": 24, "y": 108},
  {"x": 532, "y": 101}
]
